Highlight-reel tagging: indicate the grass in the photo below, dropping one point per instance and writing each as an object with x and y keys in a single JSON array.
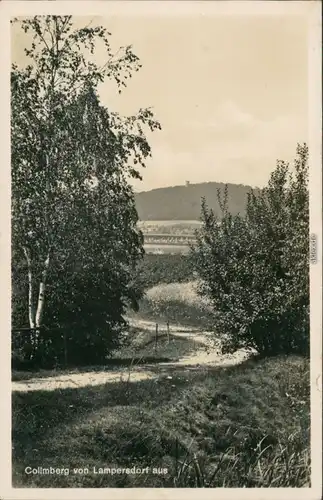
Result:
[
  {"x": 170, "y": 348},
  {"x": 177, "y": 302},
  {"x": 241, "y": 426},
  {"x": 157, "y": 269}
]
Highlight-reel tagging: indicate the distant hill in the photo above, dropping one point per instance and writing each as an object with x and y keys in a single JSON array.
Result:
[{"x": 184, "y": 202}]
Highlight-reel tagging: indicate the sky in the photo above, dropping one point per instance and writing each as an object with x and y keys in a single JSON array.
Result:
[{"x": 231, "y": 93}]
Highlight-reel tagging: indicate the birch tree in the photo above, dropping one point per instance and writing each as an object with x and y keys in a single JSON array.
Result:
[{"x": 71, "y": 157}]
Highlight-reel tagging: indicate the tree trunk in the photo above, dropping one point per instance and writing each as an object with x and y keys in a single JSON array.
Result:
[
  {"x": 31, "y": 307},
  {"x": 42, "y": 291}
]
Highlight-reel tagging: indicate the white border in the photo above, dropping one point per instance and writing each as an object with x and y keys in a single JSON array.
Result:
[{"x": 311, "y": 9}]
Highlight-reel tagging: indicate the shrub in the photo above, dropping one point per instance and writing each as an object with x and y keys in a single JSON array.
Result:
[
  {"x": 255, "y": 268},
  {"x": 84, "y": 317}
]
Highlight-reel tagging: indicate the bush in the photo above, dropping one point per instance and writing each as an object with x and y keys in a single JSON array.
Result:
[
  {"x": 84, "y": 317},
  {"x": 255, "y": 268}
]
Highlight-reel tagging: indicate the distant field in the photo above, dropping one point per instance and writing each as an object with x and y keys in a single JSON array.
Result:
[
  {"x": 166, "y": 249},
  {"x": 155, "y": 269},
  {"x": 169, "y": 222},
  {"x": 169, "y": 227},
  {"x": 163, "y": 236},
  {"x": 168, "y": 236}
]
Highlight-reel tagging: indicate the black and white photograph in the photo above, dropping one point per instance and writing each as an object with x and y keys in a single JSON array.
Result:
[{"x": 165, "y": 239}]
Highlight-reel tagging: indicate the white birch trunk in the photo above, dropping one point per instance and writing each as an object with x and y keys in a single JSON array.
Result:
[
  {"x": 42, "y": 292},
  {"x": 31, "y": 307}
]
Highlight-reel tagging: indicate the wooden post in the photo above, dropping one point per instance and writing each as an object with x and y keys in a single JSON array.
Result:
[
  {"x": 156, "y": 336},
  {"x": 168, "y": 331}
]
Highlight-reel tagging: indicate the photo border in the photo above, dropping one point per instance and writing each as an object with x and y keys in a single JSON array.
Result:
[{"x": 312, "y": 10}]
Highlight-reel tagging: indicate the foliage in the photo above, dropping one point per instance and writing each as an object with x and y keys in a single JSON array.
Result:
[
  {"x": 255, "y": 268},
  {"x": 87, "y": 322},
  {"x": 73, "y": 211}
]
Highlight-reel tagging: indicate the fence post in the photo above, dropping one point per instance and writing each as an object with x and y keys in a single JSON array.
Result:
[
  {"x": 168, "y": 331},
  {"x": 156, "y": 336}
]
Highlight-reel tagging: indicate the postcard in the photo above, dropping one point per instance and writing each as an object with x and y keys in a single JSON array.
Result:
[{"x": 161, "y": 241}]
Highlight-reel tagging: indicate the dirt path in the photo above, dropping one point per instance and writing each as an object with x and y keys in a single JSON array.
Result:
[
  {"x": 201, "y": 357},
  {"x": 195, "y": 334}
]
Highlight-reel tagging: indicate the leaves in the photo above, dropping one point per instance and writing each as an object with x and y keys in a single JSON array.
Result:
[
  {"x": 72, "y": 160},
  {"x": 254, "y": 268}
]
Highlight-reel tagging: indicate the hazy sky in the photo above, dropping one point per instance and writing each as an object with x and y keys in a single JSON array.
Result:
[{"x": 230, "y": 92}]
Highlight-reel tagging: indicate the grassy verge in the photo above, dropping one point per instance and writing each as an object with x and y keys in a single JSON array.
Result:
[{"x": 242, "y": 426}]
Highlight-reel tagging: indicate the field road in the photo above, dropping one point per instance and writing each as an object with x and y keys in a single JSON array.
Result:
[{"x": 203, "y": 356}]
